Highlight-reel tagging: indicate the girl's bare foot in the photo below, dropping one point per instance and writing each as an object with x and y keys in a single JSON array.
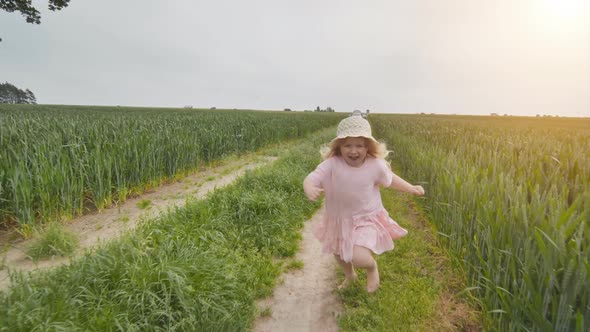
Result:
[{"x": 372, "y": 279}]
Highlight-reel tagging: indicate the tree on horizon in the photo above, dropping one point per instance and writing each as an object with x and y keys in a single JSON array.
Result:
[{"x": 10, "y": 94}]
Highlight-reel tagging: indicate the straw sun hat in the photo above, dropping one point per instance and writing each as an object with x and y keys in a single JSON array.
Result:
[{"x": 354, "y": 126}]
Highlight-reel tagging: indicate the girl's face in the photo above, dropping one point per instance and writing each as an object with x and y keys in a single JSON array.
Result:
[{"x": 354, "y": 151}]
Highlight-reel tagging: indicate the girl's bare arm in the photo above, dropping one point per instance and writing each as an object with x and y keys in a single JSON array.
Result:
[{"x": 402, "y": 185}]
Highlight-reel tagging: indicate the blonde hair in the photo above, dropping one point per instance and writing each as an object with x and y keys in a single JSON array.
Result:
[{"x": 374, "y": 149}]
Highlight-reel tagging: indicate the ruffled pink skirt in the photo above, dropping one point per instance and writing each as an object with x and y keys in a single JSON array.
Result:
[{"x": 374, "y": 231}]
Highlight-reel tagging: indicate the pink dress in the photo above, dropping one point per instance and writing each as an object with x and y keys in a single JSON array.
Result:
[{"x": 354, "y": 212}]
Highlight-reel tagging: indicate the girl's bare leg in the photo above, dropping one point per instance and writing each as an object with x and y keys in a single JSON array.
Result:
[
  {"x": 348, "y": 272},
  {"x": 363, "y": 258}
]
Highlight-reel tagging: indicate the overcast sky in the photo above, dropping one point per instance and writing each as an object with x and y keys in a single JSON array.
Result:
[{"x": 520, "y": 57}]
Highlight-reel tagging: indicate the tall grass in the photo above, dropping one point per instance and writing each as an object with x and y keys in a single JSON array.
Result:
[
  {"x": 197, "y": 268},
  {"x": 512, "y": 199},
  {"x": 57, "y": 160}
]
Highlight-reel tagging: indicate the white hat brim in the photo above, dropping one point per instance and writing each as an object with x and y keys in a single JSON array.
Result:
[{"x": 363, "y": 136}]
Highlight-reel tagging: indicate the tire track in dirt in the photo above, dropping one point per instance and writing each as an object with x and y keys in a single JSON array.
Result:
[
  {"x": 92, "y": 229},
  {"x": 306, "y": 300}
]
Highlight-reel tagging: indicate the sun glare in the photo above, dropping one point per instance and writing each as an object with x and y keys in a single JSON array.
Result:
[
  {"x": 565, "y": 7},
  {"x": 564, "y": 16}
]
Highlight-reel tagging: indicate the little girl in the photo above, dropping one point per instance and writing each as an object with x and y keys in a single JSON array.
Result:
[{"x": 356, "y": 223}]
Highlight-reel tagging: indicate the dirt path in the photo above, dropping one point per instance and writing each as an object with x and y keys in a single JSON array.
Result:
[
  {"x": 111, "y": 223},
  {"x": 306, "y": 300}
]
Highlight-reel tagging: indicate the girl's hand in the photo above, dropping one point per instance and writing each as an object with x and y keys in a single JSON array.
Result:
[
  {"x": 417, "y": 190},
  {"x": 312, "y": 191}
]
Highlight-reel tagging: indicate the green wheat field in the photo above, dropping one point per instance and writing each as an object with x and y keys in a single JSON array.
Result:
[{"x": 509, "y": 198}]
